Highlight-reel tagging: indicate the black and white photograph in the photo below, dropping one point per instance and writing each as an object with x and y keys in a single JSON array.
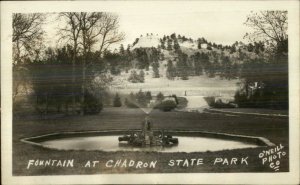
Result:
[{"x": 150, "y": 88}]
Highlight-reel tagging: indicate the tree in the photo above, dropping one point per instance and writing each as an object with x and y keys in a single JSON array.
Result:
[
  {"x": 169, "y": 44},
  {"x": 141, "y": 98},
  {"x": 163, "y": 45},
  {"x": 176, "y": 45},
  {"x": 198, "y": 65},
  {"x": 266, "y": 81},
  {"x": 136, "y": 78},
  {"x": 27, "y": 35},
  {"x": 117, "y": 101},
  {"x": 226, "y": 67},
  {"x": 182, "y": 66},
  {"x": 160, "y": 96},
  {"x": 92, "y": 28},
  {"x": 171, "y": 71},
  {"x": 199, "y": 43},
  {"x": 155, "y": 68},
  {"x": 88, "y": 24},
  {"x": 173, "y": 36},
  {"x": 122, "y": 50},
  {"x": 232, "y": 49},
  {"x": 71, "y": 32},
  {"x": 142, "y": 76},
  {"x": 269, "y": 27},
  {"x": 250, "y": 47},
  {"x": 54, "y": 90},
  {"x": 27, "y": 40},
  {"x": 148, "y": 96},
  {"x": 109, "y": 29}
]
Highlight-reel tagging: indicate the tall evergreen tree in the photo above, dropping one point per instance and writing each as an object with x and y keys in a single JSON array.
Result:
[
  {"x": 122, "y": 50},
  {"x": 117, "y": 101},
  {"x": 155, "y": 68},
  {"x": 176, "y": 45},
  {"x": 142, "y": 76},
  {"x": 169, "y": 44},
  {"x": 182, "y": 66},
  {"x": 171, "y": 71}
]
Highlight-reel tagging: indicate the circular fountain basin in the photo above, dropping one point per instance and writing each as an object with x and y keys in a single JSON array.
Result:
[
  {"x": 110, "y": 143},
  {"x": 105, "y": 142}
]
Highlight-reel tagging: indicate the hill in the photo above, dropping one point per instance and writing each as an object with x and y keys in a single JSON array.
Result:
[{"x": 175, "y": 64}]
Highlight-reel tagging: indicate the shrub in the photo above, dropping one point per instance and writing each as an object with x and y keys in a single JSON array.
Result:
[
  {"x": 210, "y": 100},
  {"x": 166, "y": 105},
  {"x": 92, "y": 105},
  {"x": 182, "y": 102},
  {"x": 175, "y": 97},
  {"x": 137, "y": 78},
  {"x": 218, "y": 103}
]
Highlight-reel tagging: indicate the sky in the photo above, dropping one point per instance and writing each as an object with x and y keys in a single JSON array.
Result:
[{"x": 219, "y": 27}]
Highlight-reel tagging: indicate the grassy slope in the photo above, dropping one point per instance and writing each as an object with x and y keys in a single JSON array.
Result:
[{"x": 119, "y": 118}]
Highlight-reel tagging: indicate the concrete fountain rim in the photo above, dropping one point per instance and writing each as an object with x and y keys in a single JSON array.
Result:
[{"x": 260, "y": 141}]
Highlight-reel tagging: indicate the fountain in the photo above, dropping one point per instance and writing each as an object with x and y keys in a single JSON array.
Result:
[{"x": 146, "y": 137}]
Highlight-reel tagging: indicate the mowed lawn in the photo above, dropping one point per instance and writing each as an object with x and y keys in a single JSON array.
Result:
[{"x": 272, "y": 128}]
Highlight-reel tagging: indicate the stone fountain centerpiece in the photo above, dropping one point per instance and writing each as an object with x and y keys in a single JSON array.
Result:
[{"x": 147, "y": 137}]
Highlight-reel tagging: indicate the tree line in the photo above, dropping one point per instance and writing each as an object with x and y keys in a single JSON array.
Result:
[{"x": 67, "y": 75}]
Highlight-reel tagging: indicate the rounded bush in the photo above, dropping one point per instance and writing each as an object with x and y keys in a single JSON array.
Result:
[
  {"x": 92, "y": 105},
  {"x": 167, "y": 105}
]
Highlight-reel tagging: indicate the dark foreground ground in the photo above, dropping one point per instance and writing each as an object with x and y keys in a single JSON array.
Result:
[{"x": 273, "y": 128}]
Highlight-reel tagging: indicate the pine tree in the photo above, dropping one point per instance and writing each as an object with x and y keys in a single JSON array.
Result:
[
  {"x": 163, "y": 45},
  {"x": 226, "y": 66},
  {"x": 164, "y": 38},
  {"x": 122, "y": 51},
  {"x": 160, "y": 96},
  {"x": 173, "y": 36},
  {"x": 199, "y": 44},
  {"x": 134, "y": 77},
  {"x": 169, "y": 46},
  {"x": 171, "y": 71},
  {"x": 250, "y": 47},
  {"x": 182, "y": 66},
  {"x": 117, "y": 101},
  {"x": 232, "y": 49},
  {"x": 142, "y": 76},
  {"x": 197, "y": 63},
  {"x": 141, "y": 98},
  {"x": 176, "y": 45},
  {"x": 155, "y": 68},
  {"x": 148, "y": 96}
]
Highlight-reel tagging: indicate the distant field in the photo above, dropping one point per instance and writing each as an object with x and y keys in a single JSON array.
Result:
[
  {"x": 275, "y": 129},
  {"x": 195, "y": 86}
]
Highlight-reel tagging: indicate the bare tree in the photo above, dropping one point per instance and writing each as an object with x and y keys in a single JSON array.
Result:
[
  {"x": 268, "y": 26},
  {"x": 85, "y": 30},
  {"x": 109, "y": 31},
  {"x": 27, "y": 35},
  {"x": 89, "y": 33},
  {"x": 96, "y": 27},
  {"x": 71, "y": 33},
  {"x": 27, "y": 42}
]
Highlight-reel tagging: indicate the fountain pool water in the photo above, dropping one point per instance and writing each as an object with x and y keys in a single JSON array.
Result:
[{"x": 108, "y": 143}]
